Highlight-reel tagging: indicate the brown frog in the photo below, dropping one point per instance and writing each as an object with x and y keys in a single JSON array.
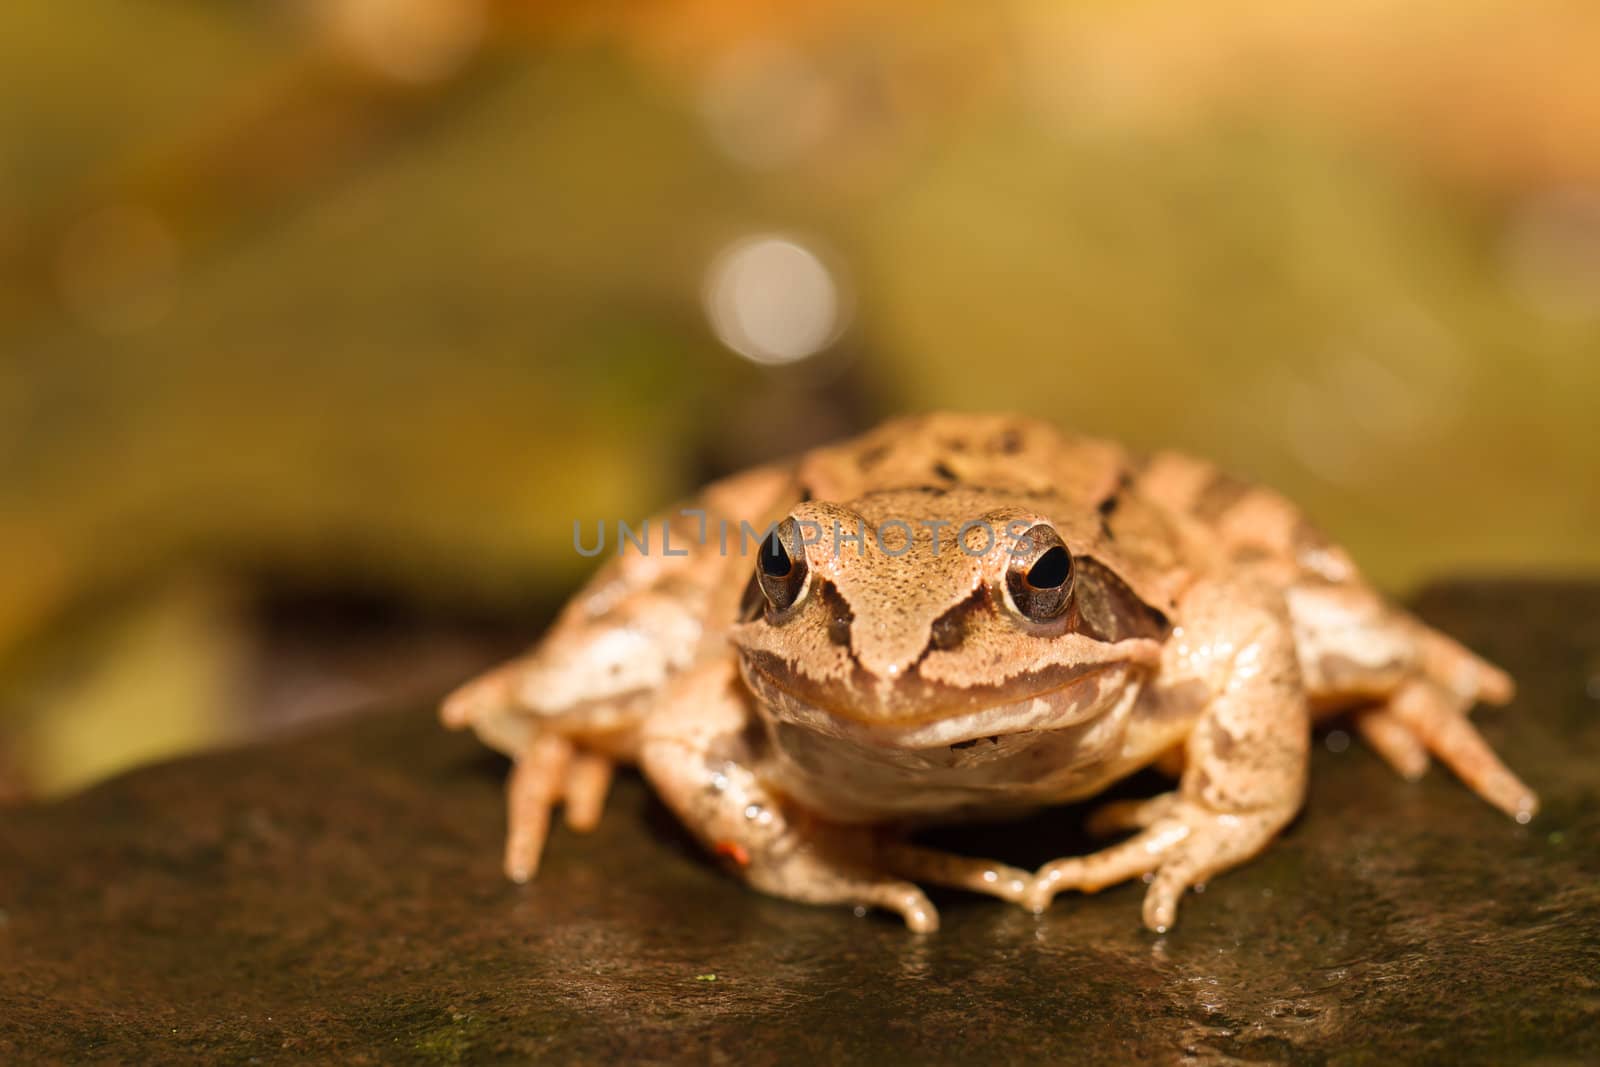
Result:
[{"x": 958, "y": 616}]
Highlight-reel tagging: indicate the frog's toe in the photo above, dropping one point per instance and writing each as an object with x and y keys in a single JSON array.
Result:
[
  {"x": 1393, "y": 741},
  {"x": 1438, "y": 719},
  {"x": 957, "y": 872},
  {"x": 537, "y": 780},
  {"x": 1139, "y": 855},
  {"x": 1161, "y": 899},
  {"x": 1461, "y": 672},
  {"x": 912, "y": 904},
  {"x": 584, "y": 794},
  {"x": 810, "y": 875}
]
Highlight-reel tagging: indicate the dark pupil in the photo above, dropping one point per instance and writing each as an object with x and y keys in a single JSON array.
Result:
[
  {"x": 775, "y": 562},
  {"x": 1051, "y": 569}
]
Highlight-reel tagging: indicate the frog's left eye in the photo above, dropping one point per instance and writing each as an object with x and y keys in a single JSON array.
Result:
[
  {"x": 1039, "y": 577},
  {"x": 781, "y": 567}
]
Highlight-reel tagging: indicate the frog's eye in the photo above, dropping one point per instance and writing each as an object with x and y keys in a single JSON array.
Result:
[
  {"x": 781, "y": 567},
  {"x": 1039, "y": 578}
]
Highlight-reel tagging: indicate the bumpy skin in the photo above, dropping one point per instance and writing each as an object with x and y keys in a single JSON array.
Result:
[{"x": 800, "y": 715}]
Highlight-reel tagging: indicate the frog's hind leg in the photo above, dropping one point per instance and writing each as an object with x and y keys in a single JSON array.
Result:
[{"x": 1411, "y": 687}]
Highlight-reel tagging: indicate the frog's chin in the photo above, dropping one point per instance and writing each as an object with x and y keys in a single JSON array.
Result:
[{"x": 1086, "y": 697}]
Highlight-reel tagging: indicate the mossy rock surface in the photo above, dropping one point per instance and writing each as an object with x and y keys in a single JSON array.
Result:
[{"x": 337, "y": 897}]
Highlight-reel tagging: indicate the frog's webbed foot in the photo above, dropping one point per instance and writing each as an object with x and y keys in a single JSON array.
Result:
[{"x": 1181, "y": 844}]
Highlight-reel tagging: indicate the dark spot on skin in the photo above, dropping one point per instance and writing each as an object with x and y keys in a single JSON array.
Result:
[
  {"x": 872, "y": 457},
  {"x": 1183, "y": 701},
  {"x": 1009, "y": 443},
  {"x": 948, "y": 631},
  {"x": 806, "y": 495},
  {"x": 954, "y": 444},
  {"x": 839, "y": 616},
  {"x": 1220, "y": 494},
  {"x": 1223, "y": 743},
  {"x": 1107, "y": 508},
  {"x": 1108, "y": 610},
  {"x": 942, "y": 470}
]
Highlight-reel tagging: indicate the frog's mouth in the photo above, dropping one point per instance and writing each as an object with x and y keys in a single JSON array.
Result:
[{"x": 1069, "y": 699}]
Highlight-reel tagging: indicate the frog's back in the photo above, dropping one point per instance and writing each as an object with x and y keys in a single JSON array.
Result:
[{"x": 1004, "y": 453}]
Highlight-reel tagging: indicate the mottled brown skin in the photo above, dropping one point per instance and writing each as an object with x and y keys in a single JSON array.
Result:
[{"x": 799, "y": 713}]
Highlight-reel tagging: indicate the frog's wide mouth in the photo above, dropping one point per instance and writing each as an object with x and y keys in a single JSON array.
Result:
[{"x": 1082, "y": 694}]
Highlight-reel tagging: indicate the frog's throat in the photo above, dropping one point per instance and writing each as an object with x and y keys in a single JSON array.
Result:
[{"x": 1088, "y": 695}]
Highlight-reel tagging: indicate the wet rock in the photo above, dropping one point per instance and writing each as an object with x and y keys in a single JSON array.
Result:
[{"x": 338, "y": 897}]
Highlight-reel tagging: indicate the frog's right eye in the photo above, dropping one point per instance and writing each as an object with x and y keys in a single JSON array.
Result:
[
  {"x": 1039, "y": 577},
  {"x": 781, "y": 567}
]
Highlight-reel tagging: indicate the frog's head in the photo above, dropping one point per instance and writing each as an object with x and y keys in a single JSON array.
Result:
[{"x": 925, "y": 618}]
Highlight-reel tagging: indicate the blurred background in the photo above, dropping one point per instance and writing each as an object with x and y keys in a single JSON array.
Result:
[{"x": 321, "y": 321}]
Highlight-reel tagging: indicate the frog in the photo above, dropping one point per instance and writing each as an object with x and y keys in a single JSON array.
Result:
[{"x": 966, "y": 616}]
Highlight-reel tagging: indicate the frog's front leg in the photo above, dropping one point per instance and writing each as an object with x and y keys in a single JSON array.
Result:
[
  {"x": 701, "y": 754},
  {"x": 1245, "y": 772}
]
